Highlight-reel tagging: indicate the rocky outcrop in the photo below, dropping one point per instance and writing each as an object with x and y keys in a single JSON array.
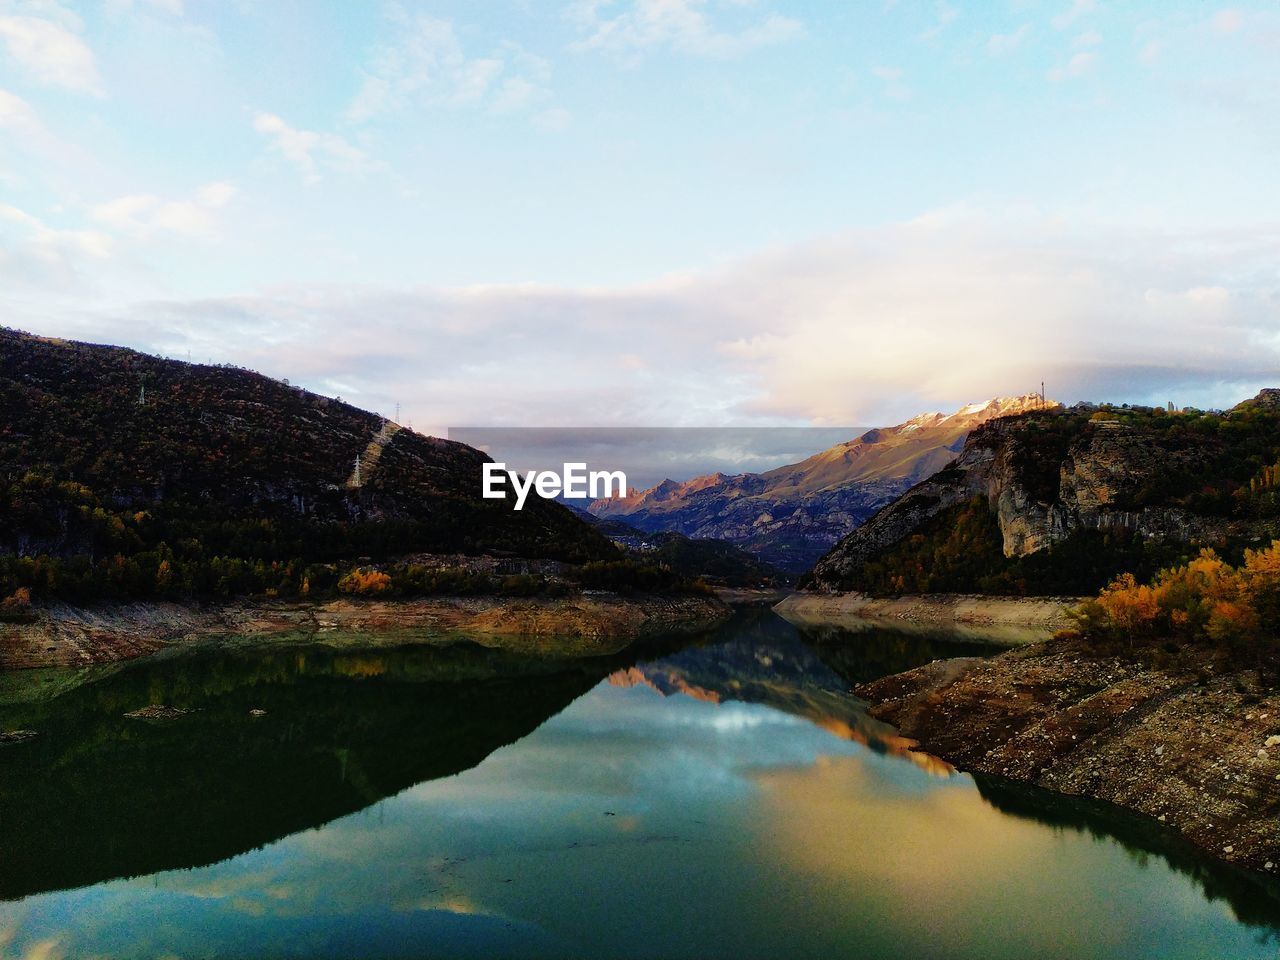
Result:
[
  {"x": 1047, "y": 475},
  {"x": 1191, "y": 743}
]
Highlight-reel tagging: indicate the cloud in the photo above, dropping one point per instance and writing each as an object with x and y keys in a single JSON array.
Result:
[
  {"x": 18, "y": 116},
  {"x": 1078, "y": 65},
  {"x": 553, "y": 120},
  {"x": 864, "y": 327},
  {"x": 38, "y": 257},
  {"x": 427, "y": 65},
  {"x": 1227, "y": 21},
  {"x": 51, "y": 52},
  {"x": 173, "y": 8},
  {"x": 946, "y": 15},
  {"x": 1003, "y": 43},
  {"x": 1078, "y": 9},
  {"x": 891, "y": 79},
  {"x": 680, "y": 25},
  {"x": 141, "y": 216},
  {"x": 310, "y": 150},
  {"x": 90, "y": 242}
]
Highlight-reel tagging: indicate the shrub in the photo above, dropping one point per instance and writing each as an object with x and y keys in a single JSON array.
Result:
[{"x": 365, "y": 583}]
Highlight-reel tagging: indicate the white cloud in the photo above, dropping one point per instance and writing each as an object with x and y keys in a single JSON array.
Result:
[
  {"x": 514, "y": 95},
  {"x": 311, "y": 150},
  {"x": 1227, "y": 21},
  {"x": 1090, "y": 38},
  {"x": 553, "y": 120},
  {"x": 865, "y": 327},
  {"x": 174, "y": 8},
  {"x": 18, "y": 116},
  {"x": 51, "y": 52},
  {"x": 427, "y": 64},
  {"x": 38, "y": 257},
  {"x": 143, "y": 215},
  {"x": 1002, "y": 43},
  {"x": 680, "y": 25},
  {"x": 1078, "y": 9},
  {"x": 892, "y": 80},
  {"x": 216, "y": 194},
  {"x": 945, "y": 16},
  {"x": 90, "y": 242},
  {"x": 1150, "y": 51},
  {"x": 1077, "y": 65}
]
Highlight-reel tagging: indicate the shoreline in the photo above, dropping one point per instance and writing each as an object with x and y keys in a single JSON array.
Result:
[
  {"x": 1007, "y": 621},
  {"x": 592, "y": 624},
  {"x": 1183, "y": 742}
]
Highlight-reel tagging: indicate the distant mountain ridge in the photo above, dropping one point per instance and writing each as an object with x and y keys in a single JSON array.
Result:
[{"x": 792, "y": 514}]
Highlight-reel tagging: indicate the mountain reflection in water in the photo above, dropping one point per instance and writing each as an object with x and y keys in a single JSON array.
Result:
[{"x": 456, "y": 801}]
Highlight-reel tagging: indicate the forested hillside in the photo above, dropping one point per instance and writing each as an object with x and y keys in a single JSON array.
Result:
[{"x": 123, "y": 474}]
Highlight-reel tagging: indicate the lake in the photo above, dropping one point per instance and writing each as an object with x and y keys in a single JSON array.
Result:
[{"x": 723, "y": 798}]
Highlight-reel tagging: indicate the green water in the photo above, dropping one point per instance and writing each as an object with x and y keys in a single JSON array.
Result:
[{"x": 727, "y": 799}]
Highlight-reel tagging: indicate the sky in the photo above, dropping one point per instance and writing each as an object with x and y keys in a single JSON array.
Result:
[{"x": 654, "y": 212}]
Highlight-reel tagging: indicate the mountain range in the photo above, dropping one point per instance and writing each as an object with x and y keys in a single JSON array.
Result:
[{"x": 791, "y": 515}]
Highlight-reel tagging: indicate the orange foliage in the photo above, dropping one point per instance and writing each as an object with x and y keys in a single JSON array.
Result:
[
  {"x": 1206, "y": 596},
  {"x": 18, "y": 599},
  {"x": 1232, "y": 620},
  {"x": 1128, "y": 605},
  {"x": 365, "y": 582}
]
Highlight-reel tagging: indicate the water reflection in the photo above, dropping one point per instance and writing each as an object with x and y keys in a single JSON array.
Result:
[
  {"x": 634, "y": 820},
  {"x": 762, "y": 660},
  {"x": 98, "y": 794}
]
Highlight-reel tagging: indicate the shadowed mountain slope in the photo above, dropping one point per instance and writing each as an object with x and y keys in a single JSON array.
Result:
[{"x": 106, "y": 452}]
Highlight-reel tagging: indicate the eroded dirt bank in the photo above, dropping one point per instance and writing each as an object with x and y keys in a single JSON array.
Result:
[
  {"x": 1179, "y": 737},
  {"x": 1003, "y": 620},
  {"x": 578, "y": 626}
]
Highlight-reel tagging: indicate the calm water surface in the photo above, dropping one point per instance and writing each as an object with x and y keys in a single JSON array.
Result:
[{"x": 728, "y": 799}]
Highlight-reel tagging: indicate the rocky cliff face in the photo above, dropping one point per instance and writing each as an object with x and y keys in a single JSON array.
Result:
[
  {"x": 1048, "y": 475},
  {"x": 791, "y": 515}
]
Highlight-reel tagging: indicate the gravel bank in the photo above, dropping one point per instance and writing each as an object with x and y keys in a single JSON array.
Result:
[
  {"x": 586, "y": 625},
  {"x": 1003, "y": 620}
]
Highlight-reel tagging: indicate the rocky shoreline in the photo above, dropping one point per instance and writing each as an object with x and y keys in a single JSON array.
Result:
[
  {"x": 1180, "y": 736},
  {"x": 1008, "y": 621},
  {"x": 591, "y": 624}
]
